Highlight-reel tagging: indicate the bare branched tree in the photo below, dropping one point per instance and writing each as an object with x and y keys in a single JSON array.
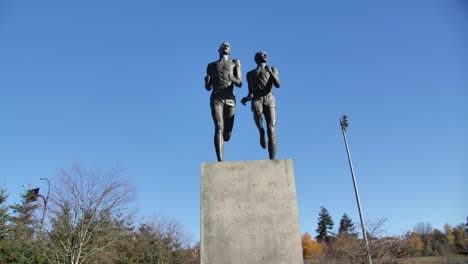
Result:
[
  {"x": 88, "y": 207},
  {"x": 162, "y": 241},
  {"x": 423, "y": 229},
  {"x": 384, "y": 249}
]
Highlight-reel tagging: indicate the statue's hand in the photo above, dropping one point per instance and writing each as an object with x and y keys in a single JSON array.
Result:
[
  {"x": 272, "y": 70},
  {"x": 244, "y": 100}
]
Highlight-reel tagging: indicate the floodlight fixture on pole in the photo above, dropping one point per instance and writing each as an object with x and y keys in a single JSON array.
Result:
[{"x": 344, "y": 127}]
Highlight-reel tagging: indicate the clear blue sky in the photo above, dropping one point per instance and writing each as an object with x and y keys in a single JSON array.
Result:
[{"x": 104, "y": 82}]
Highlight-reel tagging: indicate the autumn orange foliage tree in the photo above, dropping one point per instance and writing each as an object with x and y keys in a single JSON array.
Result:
[
  {"x": 311, "y": 249},
  {"x": 415, "y": 245}
]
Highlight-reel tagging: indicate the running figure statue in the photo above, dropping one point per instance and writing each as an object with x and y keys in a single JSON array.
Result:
[
  {"x": 221, "y": 76},
  {"x": 261, "y": 81}
]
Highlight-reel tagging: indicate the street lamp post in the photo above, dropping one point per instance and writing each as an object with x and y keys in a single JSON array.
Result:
[
  {"x": 46, "y": 200},
  {"x": 32, "y": 196},
  {"x": 344, "y": 126}
]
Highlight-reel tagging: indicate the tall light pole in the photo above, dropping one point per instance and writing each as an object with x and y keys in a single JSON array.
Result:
[
  {"x": 32, "y": 196},
  {"x": 344, "y": 126},
  {"x": 46, "y": 200}
]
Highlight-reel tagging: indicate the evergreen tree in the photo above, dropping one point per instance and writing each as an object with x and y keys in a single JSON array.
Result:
[
  {"x": 346, "y": 226},
  {"x": 324, "y": 225},
  {"x": 4, "y": 216},
  {"x": 23, "y": 246},
  {"x": 4, "y": 227},
  {"x": 24, "y": 220}
]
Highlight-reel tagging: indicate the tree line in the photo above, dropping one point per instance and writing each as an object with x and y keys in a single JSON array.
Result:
[
  {"x": 89, "y": 220},
  {"x": 346, "y": 244}
]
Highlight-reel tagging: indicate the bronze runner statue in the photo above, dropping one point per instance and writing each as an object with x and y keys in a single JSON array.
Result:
[
  {"x": 221, "y": 76},
  {"x": 261, "y": 81}
]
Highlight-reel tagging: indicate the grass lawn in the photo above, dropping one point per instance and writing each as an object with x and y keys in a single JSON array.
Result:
[{"x": 456, "y": 259}]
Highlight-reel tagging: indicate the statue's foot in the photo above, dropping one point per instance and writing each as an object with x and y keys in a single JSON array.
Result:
[
  {"x": 227, "y": 136},
  {"x": 262, "y": 138}
]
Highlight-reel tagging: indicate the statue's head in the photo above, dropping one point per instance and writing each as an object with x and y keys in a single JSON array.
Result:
[
  {"x": 225, "y": 48},
  {"x": 261, "y": 57}
]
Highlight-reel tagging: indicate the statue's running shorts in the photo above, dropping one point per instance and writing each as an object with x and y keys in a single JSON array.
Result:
[
  {"x": 223, "y": 102},
  {"x": 264, "y": 101}
]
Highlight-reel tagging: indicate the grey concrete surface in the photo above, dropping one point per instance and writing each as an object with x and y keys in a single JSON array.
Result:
[{"x": 249, "y": 213}]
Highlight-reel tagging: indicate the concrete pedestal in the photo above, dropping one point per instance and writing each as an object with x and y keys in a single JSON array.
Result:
[{"x": 249, "y": 213}]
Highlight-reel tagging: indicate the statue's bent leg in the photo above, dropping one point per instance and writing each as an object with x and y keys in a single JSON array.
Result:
[
  {"x": 270, "y": 116},
  {"x": 228, "y": 114},
  {"x": 257, "y": 109},
  {"x": 217, "y": 114}
]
